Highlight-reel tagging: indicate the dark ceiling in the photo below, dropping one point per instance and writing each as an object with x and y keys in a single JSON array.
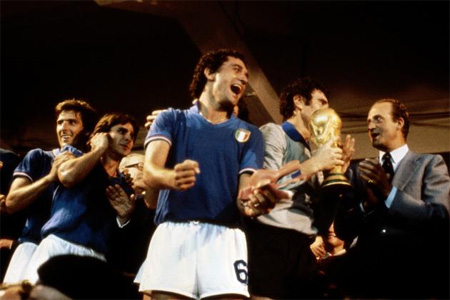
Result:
[
  {"x": 135, "y": 61},
  {"x": 116, "y": 60}
]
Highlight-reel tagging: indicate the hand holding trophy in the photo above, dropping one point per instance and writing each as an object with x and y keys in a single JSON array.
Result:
[{"x": 325, "y": 124}]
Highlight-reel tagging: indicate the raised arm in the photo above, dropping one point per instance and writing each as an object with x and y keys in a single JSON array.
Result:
[
  {"x": 24, "y": 192},
  {"x": 156, "y": 176},
  {"x": 75, "y": 170},
  {"x": 324, "y": 158}
]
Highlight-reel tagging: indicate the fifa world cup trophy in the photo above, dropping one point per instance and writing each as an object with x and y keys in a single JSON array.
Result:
[{"x": 325, "y": 124}]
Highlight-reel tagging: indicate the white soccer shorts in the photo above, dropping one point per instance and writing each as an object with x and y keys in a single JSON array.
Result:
[
  {"x": 53, "y": 246},
  {"x": 196, "y": 260},
  {"x": 19, "y": 262}
]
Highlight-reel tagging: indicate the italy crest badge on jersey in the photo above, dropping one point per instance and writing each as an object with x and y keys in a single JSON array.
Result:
[{"x": 242, "y": 135}]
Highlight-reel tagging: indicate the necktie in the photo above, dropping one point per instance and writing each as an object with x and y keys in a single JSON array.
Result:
[{"x": 387, "y": 165}]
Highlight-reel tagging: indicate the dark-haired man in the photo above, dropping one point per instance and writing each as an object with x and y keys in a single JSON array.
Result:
[
  {"x": 399, "y": 210},
  {"x": 282, "y": 265},
  {"x": 199, "y": 159},
  {"x": 82, "y": 214},
  {"x": 35, "y": 179}
]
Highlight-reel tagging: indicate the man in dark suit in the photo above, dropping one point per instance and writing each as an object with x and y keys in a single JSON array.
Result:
[{"x": 398, "y": 210}]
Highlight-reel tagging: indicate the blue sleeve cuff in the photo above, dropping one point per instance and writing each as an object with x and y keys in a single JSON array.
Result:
[{"x": 391, "y": 197}]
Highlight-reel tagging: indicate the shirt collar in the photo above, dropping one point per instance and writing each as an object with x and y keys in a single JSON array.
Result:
[
  {"x": 293, "y": 133},
  {"x": 56, "y": 152},
  {"x": 397, "y": 155},
  {"x": 194, "y": 108}
]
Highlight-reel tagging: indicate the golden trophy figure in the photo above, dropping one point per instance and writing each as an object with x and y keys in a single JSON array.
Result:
[{"x": 325, "y": 124}]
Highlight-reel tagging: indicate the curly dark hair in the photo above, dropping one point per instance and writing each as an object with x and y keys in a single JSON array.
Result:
[
  {"x": 303, "y": 86},
  {"x": 213, "y": 61},
  {"x": 399, "y": 110},
  {"x": 112, "y": 119}
]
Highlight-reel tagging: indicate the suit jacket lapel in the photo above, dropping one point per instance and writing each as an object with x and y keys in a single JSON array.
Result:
[{"x": 405, "y": 170}]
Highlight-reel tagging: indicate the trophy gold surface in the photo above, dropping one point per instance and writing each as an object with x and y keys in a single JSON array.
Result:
[{"x": 325, "y": 124}]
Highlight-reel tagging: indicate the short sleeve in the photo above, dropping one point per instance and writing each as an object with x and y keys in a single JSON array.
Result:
[
  {"x": 275, "y": 146},
  {"x": 162, "y": 127},
  {"x": 253, "y": 155},
  {"x": 31, "y": 165}
]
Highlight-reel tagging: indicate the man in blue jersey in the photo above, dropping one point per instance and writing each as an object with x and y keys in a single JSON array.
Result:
[
  {"x": 35, "y": 179},
  {"x": 199, "y": 159},
  {"x": 82, "y": 215}
]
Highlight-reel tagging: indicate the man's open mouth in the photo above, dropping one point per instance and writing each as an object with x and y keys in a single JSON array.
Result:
[{"x": 236, "y": 88}]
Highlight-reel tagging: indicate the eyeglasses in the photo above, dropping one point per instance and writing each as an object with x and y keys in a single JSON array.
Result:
[{"x": 139, "y": 166}]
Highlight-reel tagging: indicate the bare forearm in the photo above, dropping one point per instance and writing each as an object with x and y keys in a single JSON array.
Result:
[
  {"x": 156, "y": 176},
  {"x": 244, "y": 182},
  {"x": 75, "y": 170},
  {"x": 21, "y": 197},
  {"x": 159, "y": 178},
  {"x": 309, "y": 167},
  {"x": 151, "y": 198}
]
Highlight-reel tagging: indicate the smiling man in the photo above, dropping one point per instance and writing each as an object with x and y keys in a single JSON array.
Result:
[
  {"x": 399, "y": 210},
  {"x": 82, "y": 214},
  {"x": 35, "y": 179},
  {"x": 199, "y": 159}
]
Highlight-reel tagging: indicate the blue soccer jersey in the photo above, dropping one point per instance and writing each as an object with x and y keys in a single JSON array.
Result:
[
  {"x": 35, "y": 165},
  {"x": 223, "y": 151},
  {"x": 82, "y": 214}
]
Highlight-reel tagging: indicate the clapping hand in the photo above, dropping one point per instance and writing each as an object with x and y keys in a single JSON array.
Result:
[
  {"x": 119, "y": 200},
  {"x": 151, "y": 118},
  {"x": 263, "y": 192}
]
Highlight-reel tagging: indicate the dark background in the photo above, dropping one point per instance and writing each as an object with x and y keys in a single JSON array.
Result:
[{"x": 136, "y": 62}]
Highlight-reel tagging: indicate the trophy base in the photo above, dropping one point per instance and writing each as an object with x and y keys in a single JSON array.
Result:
[{"x": 336, "y": 183}]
